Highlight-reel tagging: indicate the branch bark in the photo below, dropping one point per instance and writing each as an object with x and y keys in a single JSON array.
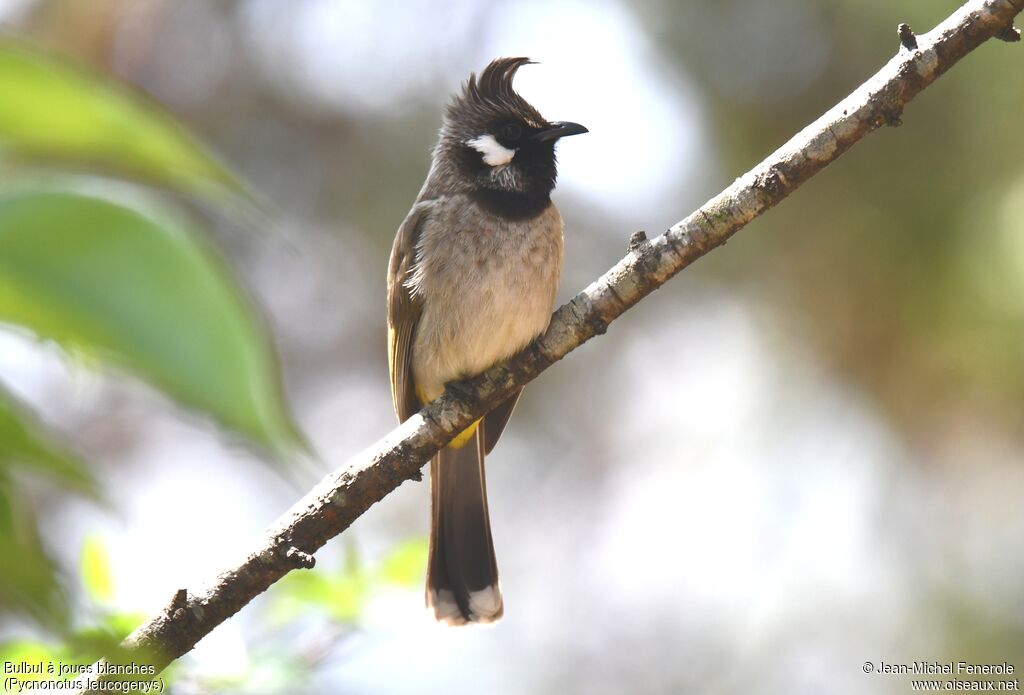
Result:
[{"x": 343, "y": 496}]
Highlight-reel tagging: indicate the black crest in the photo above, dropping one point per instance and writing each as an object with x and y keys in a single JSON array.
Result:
[
  {"x": 521, "y": 186},
  {"x": 492, "y": 93}
]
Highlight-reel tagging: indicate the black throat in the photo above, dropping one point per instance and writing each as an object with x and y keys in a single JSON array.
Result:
[{"x": 512, "y": 205}]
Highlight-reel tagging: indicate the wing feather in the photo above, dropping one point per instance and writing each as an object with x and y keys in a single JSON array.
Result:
[{"x": 404, "y": 312}]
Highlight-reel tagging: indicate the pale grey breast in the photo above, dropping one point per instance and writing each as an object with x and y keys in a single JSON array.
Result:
[{"x": 487, "y": 284}]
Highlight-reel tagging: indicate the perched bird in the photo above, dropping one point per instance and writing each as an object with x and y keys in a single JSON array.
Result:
[{"x": 472, "y": 280}]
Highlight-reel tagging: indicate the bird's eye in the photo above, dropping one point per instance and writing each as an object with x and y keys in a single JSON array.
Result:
[{"x": 511, "y": 131}]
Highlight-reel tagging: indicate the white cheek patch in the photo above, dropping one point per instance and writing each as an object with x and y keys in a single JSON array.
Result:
[{"x": 495, "y": 154}]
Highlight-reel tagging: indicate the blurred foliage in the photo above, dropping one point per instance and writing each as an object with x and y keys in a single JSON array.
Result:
[
  {"x": 82, "y": 646},
  {"x": 108, "y": 625},
  {"x": 23, "y": 441},
  {"x": 95, "y": 569},
  {"x": 312, "y": 612},
  {"x": 343, "y": 594},
  {"x": 53, "y": 110},
  {"x": 140, "y": 292},
  {"x": 118, "y": 282},
  {"x": 28, "y": 584},
  {"x": 894, "y": 262}
]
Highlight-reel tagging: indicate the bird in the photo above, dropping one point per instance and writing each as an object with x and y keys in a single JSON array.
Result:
[{"x": 472, "y": 278}]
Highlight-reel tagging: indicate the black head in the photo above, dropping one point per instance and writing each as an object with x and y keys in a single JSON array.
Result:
[{"x": 498, "y": 145}]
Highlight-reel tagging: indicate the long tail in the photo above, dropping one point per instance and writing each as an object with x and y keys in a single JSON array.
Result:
[{"x": 462, "y": 576}]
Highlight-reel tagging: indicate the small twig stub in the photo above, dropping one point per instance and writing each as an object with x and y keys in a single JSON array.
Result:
[
  {"x": 637, "y": 240},
  {"x": 1009, "y": 34},
  {"x": 907, "y": 38}
]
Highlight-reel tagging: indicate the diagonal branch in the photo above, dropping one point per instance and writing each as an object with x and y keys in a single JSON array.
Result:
[{"x": 344, "y": 495}]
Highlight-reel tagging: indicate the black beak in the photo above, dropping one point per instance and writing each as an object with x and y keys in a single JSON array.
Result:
[{"x": 559, "y": 129}]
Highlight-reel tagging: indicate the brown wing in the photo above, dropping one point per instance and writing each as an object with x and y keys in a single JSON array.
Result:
[{"x": 403, "y": 313}]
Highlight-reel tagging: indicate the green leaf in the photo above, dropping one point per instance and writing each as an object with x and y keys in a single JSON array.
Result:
[
  {"x": 24, "y": 442},
  {"x": 32, "y": 651},
  {"x": 28, "y": 583},
  {"x": 142, "y": 293},
  {"x": 406, "y": 564},
  {"x": 52, "y": 110},
  {"x": 35, "y": 655},
  {"x": 344, "y": 594},
  {"x": 342, "y": 597},
  {"x": 95, "y": 566},
  {"x": 120, "y": 625},
  {"x": 101, "y": 640}
]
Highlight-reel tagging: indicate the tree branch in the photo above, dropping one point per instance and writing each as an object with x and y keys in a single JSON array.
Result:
[{"x": 344, "y": 495}]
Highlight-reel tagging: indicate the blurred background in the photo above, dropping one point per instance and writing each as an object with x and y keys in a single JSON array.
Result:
[{"x": 803, "y": 454}]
